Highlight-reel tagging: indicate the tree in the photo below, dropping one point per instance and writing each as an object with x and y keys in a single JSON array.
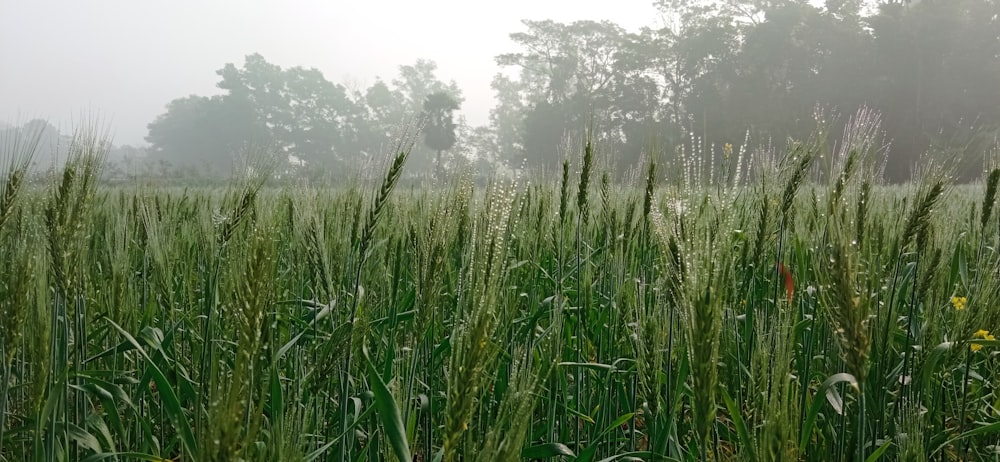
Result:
[
  {"x": 506, "y": 118},
  {"x": 930, "y": 67},
  {"x": 204, "y": 132},
  {"x": 584, "y": 78},
  {"x": 305, "y": 115},
  {"x": 938, "y": 64},
  {"x": 419, "y": 80},
  {"x": 482, "y": 148},
  {"x": 410, "y": 91},
  {"x": 300, "y": 114},
  {"x": 439, "y": 132},
  {"x": 51, "y": 147},
  {"x": 385, "y": 112},
  {"x": 546, "y": 127}
]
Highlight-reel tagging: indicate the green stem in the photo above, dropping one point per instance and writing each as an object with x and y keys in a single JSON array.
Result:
[
  {"x": 861, "y": 424},
  {"x": 4, "y": 384},
  {"x": 345, "y": 385},
  {"x": 965, "y": 401}
]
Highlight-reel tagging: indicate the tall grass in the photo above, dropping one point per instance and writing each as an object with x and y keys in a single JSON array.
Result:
[
  {"x": 786, "y": 305},
  {"x": 16, "y": 152}
]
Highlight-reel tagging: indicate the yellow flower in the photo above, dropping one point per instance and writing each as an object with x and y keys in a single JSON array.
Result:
[
  {"x": 958, "y": 303},
  {"x": 727, "y": 150},
  {"x": 983, "y": 334}
]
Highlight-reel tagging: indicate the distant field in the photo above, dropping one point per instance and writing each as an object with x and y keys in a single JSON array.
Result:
[{"x": 777, "y": 316}]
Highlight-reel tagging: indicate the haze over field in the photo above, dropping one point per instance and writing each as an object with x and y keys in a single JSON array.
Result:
[
  {"x": 128, "y": 59},
  {"x": 186, "y": 87}
]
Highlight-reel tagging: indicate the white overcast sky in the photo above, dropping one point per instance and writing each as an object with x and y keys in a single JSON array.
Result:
[{"x": 125, "y": 59}]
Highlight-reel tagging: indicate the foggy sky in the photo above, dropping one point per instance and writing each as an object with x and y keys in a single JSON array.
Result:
[{"x": 125, "y": 60}]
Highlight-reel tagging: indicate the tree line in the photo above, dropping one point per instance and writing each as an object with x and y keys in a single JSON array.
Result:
[
  {"x": 296, "y": 112},
  {"x": 719, "y": 72}
]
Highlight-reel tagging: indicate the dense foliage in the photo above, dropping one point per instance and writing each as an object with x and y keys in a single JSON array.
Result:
[
  {"x": 728, "y": 69},
  {"x": 764, "y": 310},
  {"x": 295, "y": 112},
  {"x": 721, "y": 70}
]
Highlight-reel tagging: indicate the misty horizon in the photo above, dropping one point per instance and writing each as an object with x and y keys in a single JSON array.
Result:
[
  {"x": 125, "y": 61},
  {"x": 330, "y": 85}
]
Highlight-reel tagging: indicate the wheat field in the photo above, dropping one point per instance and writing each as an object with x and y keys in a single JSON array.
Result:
[{"x": 783, "y": 305}]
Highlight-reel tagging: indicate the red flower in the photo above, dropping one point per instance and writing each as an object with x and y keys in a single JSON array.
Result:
[{"x": 789, "y": 282}]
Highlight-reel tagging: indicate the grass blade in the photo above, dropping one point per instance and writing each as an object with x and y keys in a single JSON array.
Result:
[
  {"x": 741, "y": 427},
  {"x": 547, "y": 451},
  {"x": 389, "y": 415},
  {"x": 817, "y": 404},
  {"x": 171, "y": 404}
]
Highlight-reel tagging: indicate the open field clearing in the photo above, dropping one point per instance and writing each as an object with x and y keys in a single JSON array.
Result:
[{"x": 785, "y": 306}]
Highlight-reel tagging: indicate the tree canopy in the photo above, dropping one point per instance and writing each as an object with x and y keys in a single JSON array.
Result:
[
  {"x": 439, "y": 131},
  {"x": 717, "y": 72},
  {"x": 721, "y": 69},
  {"x": 294, "y": 112}
]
